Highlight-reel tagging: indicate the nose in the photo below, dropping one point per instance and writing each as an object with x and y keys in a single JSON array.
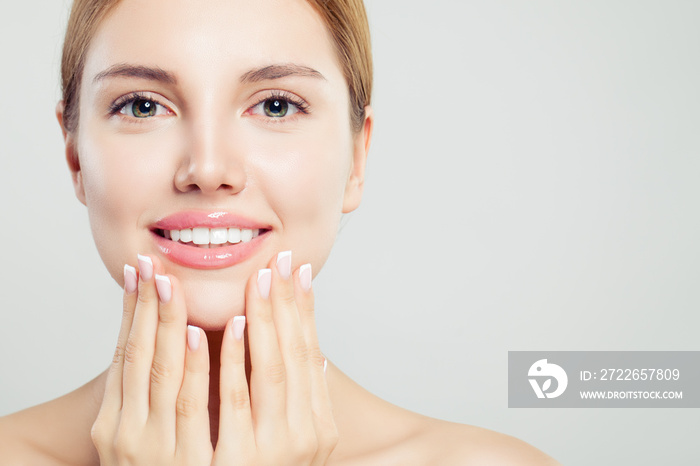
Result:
[{"x": 210, "y": 164}]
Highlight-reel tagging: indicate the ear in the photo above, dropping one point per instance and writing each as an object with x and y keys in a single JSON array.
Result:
[
  {"x": 356, "y": 181},
  {"x": 71, "y": 154}
]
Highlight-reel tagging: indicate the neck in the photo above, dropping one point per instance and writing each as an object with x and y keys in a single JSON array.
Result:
[{"x": 214, "y": 339}]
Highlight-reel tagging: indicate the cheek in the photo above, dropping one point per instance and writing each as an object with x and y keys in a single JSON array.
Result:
[
  {"x": 304, "y": 182},
  {"x": 122, "y": 176}
]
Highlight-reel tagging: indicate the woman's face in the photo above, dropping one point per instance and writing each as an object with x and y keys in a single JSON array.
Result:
[{"x": 229, "y": 119}]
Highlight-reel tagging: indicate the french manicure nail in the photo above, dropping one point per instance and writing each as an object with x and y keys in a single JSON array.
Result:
[
  {"x": 130, "y": 280},
  {"x": 264, "y": 281},
  {"x": 325, "y": 365},
  {"x": 145, "y": 267},
  {"x": 305, "y": 277},
  {"x": 284, "y": 264},
  {"x": 193, "y": 337},
  {"x": 164, "y": 287},
  {"x": 238, "y": 327}
]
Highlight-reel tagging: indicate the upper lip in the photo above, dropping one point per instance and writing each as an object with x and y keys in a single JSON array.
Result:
[{"x": 207, "y": 219}]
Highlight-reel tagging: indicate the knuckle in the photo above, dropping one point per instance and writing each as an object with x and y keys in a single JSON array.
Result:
[
  {"x": 240, "y": 399},
  {"x": 144, "y": 297},
  {"x": 187, "y": 406},
  {"x": 132, "y": 350},
  {"x": 167, "y": 315},
  {"x": 127, "y": 310},
  {"x": 316, "y": 357},
  {"x": 306, "y": 446},
  {"x": 237, "y": 361},
  {"x": 308, "y": 309},
  {"x": 98, "y": 434},
  {"x": 328, "y": 438},
  {"x": 160, "y": 372},
  {"x": 287, "y": 298},
  {"x": 300, "y": 351},
  {"x": 118, "y": 355},
  {"x": 124, "y": 445},
  {"x": 275, "y": 373},
  {"x": 264, "y": 315},
  {"x": 197, "y": 370},
  {"x": 311, "y": 447},
  {"x": 327, "y": 431}
]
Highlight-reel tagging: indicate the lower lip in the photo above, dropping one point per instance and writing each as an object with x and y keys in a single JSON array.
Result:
[{"x": 212, "y": 258}]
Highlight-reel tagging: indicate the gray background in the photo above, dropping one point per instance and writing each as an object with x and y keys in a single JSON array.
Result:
[{"x": 532, "y": 185}]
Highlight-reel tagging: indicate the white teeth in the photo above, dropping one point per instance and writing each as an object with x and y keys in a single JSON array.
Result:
[
  {"x": 186, "y": 236},
  {"x": 218, "y": 235},
  {"x": 200, "y": 235},
  {"x": 246, "y": 235},
  {"x": 234, "y": 235},
  {"x": 204, "y": 237}
]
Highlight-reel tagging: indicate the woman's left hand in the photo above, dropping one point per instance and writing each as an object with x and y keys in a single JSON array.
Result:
[{"x": 286, "y": 417}]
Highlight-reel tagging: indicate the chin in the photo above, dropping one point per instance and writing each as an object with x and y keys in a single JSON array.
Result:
[{"x": 210, "y": 305}]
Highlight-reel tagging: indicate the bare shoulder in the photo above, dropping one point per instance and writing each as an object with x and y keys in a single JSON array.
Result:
[
  {"x": 448, "y": 443},
  {"x": 54, "y": 433},
  {"x": 16, "y": 449},
  {"x": 378, "y": 433}
]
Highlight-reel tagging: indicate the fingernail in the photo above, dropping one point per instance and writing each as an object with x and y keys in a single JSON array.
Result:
[
  {"x": 305, "y": 277},
  {"x": 238, "y": 327},
  {"x": 193, "y": 337},
  {"x": 264, "y": 280},
  {"x": 130, "y": 280},
  {"x": 284, "y": 264},
  {"x": 325, "y": 365},
  {"x": 164, "y": 287},
  {"x": 145, "y": 267}
]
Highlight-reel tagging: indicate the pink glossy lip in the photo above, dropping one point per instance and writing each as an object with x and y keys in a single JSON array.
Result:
[
  {"x": 193, "y": 218},
  {"x": 203, "y": 258}
]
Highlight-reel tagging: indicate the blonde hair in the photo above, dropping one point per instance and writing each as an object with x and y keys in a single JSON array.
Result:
[{"x": 346, "y": 21}]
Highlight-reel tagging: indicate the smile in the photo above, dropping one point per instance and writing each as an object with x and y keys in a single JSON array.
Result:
[
  {"x": 208, "y": 240},
  {"x": 204, "y": 237}
]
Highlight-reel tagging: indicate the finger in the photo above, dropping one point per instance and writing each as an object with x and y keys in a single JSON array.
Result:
[
  {"x": 169, "y": 358},
  {"x": 235, "y": 418},
  {"x": 192, "y": 407},
  {"x": 105, "y": 426},
  {"x": 267, "y": 374},
  {"x": 140, "y": 345},
  {"x": 292, "y": 342},
  {"x": 304, "y": 296},
  {"x": 324, "y": 424},
  {"x": 113, "y": 387}
]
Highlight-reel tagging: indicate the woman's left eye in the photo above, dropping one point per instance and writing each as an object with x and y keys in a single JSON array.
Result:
[{"x": 276, "y": 107}]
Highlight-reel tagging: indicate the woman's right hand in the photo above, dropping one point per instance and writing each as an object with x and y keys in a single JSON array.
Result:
[{"x": 155, "y": 406}]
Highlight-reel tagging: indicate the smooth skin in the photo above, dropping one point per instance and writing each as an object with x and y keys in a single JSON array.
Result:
[{"x": 209, "y": 147}]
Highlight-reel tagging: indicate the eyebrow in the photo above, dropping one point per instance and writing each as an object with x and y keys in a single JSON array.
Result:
[
  {"x": 279, "y": 71},
  {"x": 264, "y": 73},
  {"x": 137, "y": 71}
]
